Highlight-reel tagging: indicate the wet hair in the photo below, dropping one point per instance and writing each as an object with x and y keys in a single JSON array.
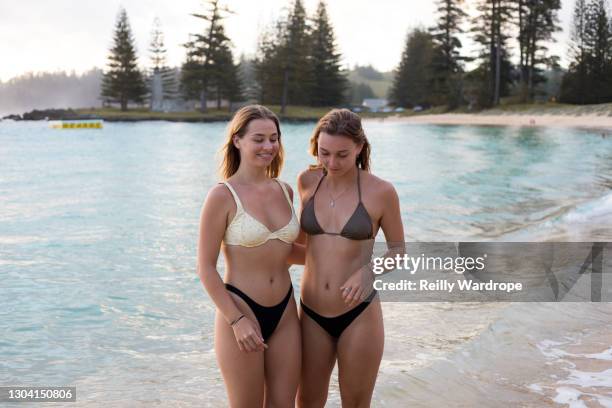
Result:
[
  {"x": 343, "y": 122},
  {"x": 238, "y": 127}
]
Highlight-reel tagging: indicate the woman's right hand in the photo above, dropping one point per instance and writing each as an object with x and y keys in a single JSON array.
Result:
[{"x": 247, "y": 336}]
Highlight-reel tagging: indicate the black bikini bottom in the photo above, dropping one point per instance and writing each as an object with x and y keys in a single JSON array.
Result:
[
  {"x": 337, "y": 324},
  {"x": 268, "y": 317}
]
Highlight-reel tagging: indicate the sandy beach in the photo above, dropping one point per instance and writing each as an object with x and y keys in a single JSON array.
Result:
[{"x": 514, "y": 119}]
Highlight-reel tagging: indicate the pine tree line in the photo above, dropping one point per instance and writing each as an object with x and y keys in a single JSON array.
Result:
[
  {"x": 208, "y": 72},
  {"x": 298, "y": 63},
  {"x": 494, "y": 29}
]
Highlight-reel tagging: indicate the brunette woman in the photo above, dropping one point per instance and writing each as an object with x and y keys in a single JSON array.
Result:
[{"x": 343, "y": 208}]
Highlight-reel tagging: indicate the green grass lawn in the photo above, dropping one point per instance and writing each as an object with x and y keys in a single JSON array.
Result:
[
  {"x": 292, "y": 113},
  {"x": 116, "y": 113}
]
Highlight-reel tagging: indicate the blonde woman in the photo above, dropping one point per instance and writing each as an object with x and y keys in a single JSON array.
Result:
[
  {"x": 343, "y": 207},
  {"x": 251, "y": 217}
]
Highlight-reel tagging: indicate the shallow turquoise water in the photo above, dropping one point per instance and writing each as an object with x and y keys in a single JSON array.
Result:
[{"x": 98, "y": 233}]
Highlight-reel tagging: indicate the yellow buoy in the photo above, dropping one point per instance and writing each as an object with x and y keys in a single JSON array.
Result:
[{"x": 76, "y": 124}]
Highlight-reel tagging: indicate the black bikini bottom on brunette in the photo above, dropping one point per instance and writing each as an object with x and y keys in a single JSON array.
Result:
[{"x": 334, "y": 326}]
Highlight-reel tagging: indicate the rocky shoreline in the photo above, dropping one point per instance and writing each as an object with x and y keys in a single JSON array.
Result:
[{"x": 51, "y": 114}]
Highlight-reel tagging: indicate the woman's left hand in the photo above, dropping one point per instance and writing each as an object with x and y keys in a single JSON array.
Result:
[{"x": 357, "y": 287}]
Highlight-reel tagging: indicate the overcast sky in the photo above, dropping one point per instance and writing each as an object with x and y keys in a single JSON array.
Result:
[{"x": 43, "y": 35}]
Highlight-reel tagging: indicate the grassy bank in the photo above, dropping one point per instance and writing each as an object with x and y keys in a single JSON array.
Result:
[
  {"x": 115, "y": 114},
  {"x": 298, "y": 113},
  {"x": 295, "y": 113}
]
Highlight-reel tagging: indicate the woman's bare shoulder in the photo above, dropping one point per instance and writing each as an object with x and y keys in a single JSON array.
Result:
[
  {"x": 379, "y": 187},
  {"x": 309, "y": 177},
  {"x": 219, "y": 197}
]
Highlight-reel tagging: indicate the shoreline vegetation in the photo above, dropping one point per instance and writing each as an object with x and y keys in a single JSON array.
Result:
[
  {"x": 297, "y": 71},
  {"x": 543, "y": 114},
  {"x": 298, "y": 63}
]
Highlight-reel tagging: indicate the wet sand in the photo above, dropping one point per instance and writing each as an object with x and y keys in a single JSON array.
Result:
[{"x": 493, "y": 354}]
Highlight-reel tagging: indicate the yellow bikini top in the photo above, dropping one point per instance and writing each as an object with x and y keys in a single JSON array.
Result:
[{"x": 246, "y": 231}]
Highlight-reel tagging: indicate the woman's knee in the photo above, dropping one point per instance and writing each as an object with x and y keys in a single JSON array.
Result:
[
  {"x": 356, "y": 398},
  {"x": 311, "y": 399},
  {"x": 280, "y": 399},
  {"x": 242, "y": 398}
]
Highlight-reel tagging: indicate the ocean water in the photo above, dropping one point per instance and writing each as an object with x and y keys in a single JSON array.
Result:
[{"x": 98, "y": 233}]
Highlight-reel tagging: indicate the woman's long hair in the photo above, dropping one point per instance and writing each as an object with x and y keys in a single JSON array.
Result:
[
  {"x": 343, "y": 122},
  {"x": 238, "y": 127}
]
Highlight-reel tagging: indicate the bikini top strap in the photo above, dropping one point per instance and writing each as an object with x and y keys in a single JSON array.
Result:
[
  {"x": 282, "y": 185},
  {"x": 234, "y": 194},
  {"x": 319, "y": 184}
]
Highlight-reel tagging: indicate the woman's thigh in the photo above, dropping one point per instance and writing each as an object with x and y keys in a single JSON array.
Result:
[
  {"x": 360, "y": 350},
  {"x": 242, "y": 372},
  {"x": 318, "y": 360},
  {"x": 283, "y": 358}
]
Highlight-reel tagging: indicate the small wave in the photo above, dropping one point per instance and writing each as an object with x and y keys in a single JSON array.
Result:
[
  {"x": 589, "y": 379},
  {"x": 574, "y": 398},
  {"x": 586, "y": 221},
  {"x": 598, "y": 209}
]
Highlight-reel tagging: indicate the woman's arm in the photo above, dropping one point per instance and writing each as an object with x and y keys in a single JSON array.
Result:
[
  {"x": 213, "y": 222},
  {"x": 391, "y": 221}
]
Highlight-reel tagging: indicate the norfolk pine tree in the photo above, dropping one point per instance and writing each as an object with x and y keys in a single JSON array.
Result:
[
  {"x": 207, "y": 58},
  {"x": 537, "y": 22},
  {"x": 157, "y": 52},
  {"x": 226, "y": 76},
  {"x": 266, "y": 66},
  {"x": 447, "y": 63},
  {"x": 573, "y": 85},
  {"x": 329, "y": 82},
  {"x": 494, "y": 73},
  {"x": 123, "y": 82},
  {"x": 411, "y": 84},
  {"x": 284, "y": 64},
  {"x": 294, "y": 52}
]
